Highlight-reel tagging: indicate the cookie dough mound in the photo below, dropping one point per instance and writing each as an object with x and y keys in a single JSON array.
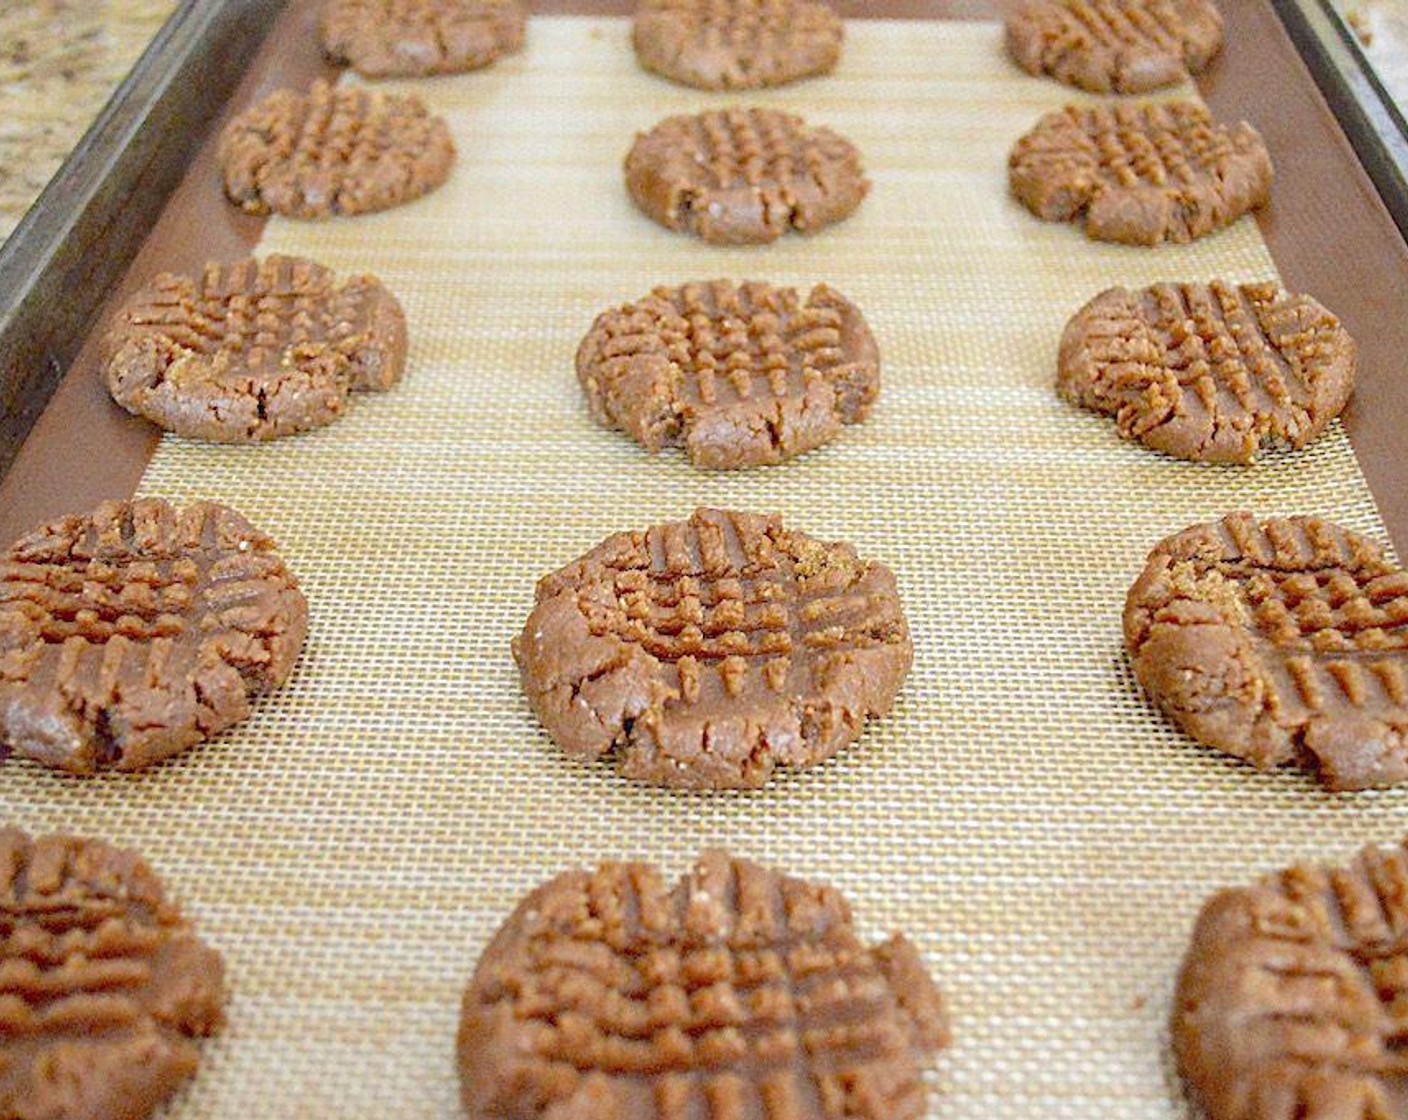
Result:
[
  {"x": 333, "y": 151},
  {"x": 1212, "y": 372},
  {"x": 106, "y": 987},
  {"x": 704, "y": 653},
  {"x": 1140, "y": 174},
  {"x": 1281, "y": 641},
  {"x": 1290, "y": 1002},
  {"x": 251, "y": 351},
  {"x": 1115, "y": 46},
  {"x": 136, "y": 631},
  {"x": 736, "y": 374},
  {"x": 736, "y": 44},
  {"x": 738, "y": 992},
  {"x": 738, "y": 176},
  {"x": 419, "y": 38}
]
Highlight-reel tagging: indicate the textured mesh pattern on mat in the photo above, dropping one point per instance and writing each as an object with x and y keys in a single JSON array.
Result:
[{"x": 1023, "y": 815}]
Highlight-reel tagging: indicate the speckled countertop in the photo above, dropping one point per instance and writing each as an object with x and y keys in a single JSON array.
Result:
[
  {"x": 1383, "y": 29},
  {"x": 60, "y": 61}
]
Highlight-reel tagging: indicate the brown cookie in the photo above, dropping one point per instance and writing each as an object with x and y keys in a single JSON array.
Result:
[
  {"x": 704, "y": 653},
  {"x": 1140, "y": 173},
  {"x": 1291, "y": 1002},
  {"x": 740, "y": 992},
  {"x": 737, "y": 176},
  {"x": 252, "y": 351},
  {"x": 1115, "y": 46},
  {"x": 736, "y": 44},
  {"x": 104, "y": 987},
  {"x": 1284, "y": 641},
  {"x": 136, "y": 631},
  {"x": 1209, "y": 371},
  {"x": 333, "y": 150},
  {"x": 736, "y": 374},
  {"x": 418, "y": 38}
]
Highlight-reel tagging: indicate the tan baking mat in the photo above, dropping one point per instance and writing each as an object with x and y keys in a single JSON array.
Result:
[{"x": 1023, "y": 814}]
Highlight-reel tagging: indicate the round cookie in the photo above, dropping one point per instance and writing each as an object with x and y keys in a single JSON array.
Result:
[
  {"x": 741, "y": 176},
  {"x": 1290, "y": 1001},
  {"x": 250, "y": 351},
  {"x": 736, "y": 44},
  {"x": 702, "y": 654},
  {"x": 736, "y": 374},
  {"x": 1211, "y": 372},
  {"x": 136, "y": 631},
  {"x": 1140, "y": 174},
  {"x": 106, "y": 987},
  {"x": 1280, "y": 642},
  {"x": 1114, "y": 46},
  {"x": 333, "y": 150},
  {"x": 419, "y": 38},
  {"x": 738, "y": 992}
]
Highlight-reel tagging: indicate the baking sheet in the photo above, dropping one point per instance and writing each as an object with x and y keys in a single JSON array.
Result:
[{"x": 1023, "y": 814}]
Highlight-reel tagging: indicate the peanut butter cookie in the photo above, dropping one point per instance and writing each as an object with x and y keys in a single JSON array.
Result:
[
  {"x": 250, "y": 352},
  {"x": 704, "y": 653},
  {"x": 420, "y": 38},
  {"x": 1283, "y": 641},
  {"x": 736, "y": 374},
  {"x": 1212, "y": 372},
  {"x": 736, "y": 44},
  {"x": 738, "y": 992},
  {"x": 106, "y": 988},
  {"x": 136, "y": 631},
  {"x": 1291, "y": 999},
  {"x": 333, "y": 150},
  {"x": 1115, "y": 46},
  {"x": 738, "y": 176},
  {"x": 1140, "y": 173}
]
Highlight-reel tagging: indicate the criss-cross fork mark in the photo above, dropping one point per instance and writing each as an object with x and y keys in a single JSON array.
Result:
[
  {"x": 75, "y": 953},
  {"x": 1212, "y": 341},
  {"x": 1339, "y": 972},
  {"x": 729, "y": 343},
  {"x": 1154, "y": 144},
  {"x": 1112, "y": 23},
  {"x": 256, "y": 312},
  {"x": 734, "y": 619},
  {"x": 760, "y": 148},
  {"x": 1337, "y": 626},
  {"x": 737, "y": 993}
]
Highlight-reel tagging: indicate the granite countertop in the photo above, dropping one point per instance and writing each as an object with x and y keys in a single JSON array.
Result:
[
  {"x": 1382, "y": 27},
  {"x": 60, "y": 61}
]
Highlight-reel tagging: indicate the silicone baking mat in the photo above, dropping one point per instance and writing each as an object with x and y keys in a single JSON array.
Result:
[{"x": 1023, "y": 813}]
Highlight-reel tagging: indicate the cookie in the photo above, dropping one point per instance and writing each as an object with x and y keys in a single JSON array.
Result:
[
  {"x": 1281, "y": 642},
  {"x": 1115, "y": 46},
  {"x": 740, "y": 176},
  {"x": 347, "y": 150},
  {"x": 736, "y": 44},
  {"x": 704, "y": 653},
  {"x": 104, "y": 987},
  {"x": 1212, "y": 372},
  {"x": 1291, "y": 1001},
  {"x": 129, "y": 634},
  {"x": 736, "y": 374},
  {"x": 418, "y": 38},
  {"x": 738, "y": 992},
  {"x": 1140, "y": 174},
  {"x": 250, "y": 352}
]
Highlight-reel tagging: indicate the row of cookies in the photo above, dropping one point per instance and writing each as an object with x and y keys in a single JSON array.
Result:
[
  {"x": 209, "y": 358},
  {"x": 1277, "y": 641}
]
